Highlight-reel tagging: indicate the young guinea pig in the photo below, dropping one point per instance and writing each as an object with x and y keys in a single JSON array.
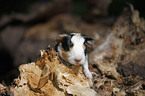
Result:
[{"x": 72, "y": 48}]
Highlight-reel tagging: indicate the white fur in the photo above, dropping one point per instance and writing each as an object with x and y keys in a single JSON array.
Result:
[
  {"x": 86, "y": 69},
  {"x": 77, "y": 51}
]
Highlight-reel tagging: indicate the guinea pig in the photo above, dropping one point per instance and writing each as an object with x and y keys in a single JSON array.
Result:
[{"x": 72, "y": 47}]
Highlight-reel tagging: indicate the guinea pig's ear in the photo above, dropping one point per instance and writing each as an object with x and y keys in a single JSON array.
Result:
[
  {"x": 60, "y": 37},
  {"x": 88, "y": 41}
]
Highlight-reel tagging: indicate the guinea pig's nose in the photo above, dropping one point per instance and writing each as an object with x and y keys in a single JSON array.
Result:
[{"x": 77, "y": 60}]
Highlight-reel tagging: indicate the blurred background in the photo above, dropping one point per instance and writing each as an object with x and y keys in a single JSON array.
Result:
[{"x": 28, "y": 26}]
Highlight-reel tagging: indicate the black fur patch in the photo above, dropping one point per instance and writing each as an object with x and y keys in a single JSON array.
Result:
[
  {"x": 66, "y": 43},
  {"x": 89, "y": 41},
  {"x": 56, "y": 47},
  {"x": 85, "y": 51}
]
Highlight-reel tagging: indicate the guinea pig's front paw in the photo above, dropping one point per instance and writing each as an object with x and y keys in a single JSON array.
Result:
[{"x": 88, "y": 73}]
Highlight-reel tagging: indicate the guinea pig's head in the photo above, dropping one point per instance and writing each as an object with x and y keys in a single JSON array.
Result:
[{"x": 73, "y": 47}]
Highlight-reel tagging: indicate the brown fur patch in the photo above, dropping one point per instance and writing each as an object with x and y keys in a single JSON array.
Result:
[
  {"x": 75, "y": 68},
  {"x": 64, "y": 54}
]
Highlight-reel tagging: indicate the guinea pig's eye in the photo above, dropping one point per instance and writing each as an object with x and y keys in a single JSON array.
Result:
[{"x": 71, "y": 44}]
